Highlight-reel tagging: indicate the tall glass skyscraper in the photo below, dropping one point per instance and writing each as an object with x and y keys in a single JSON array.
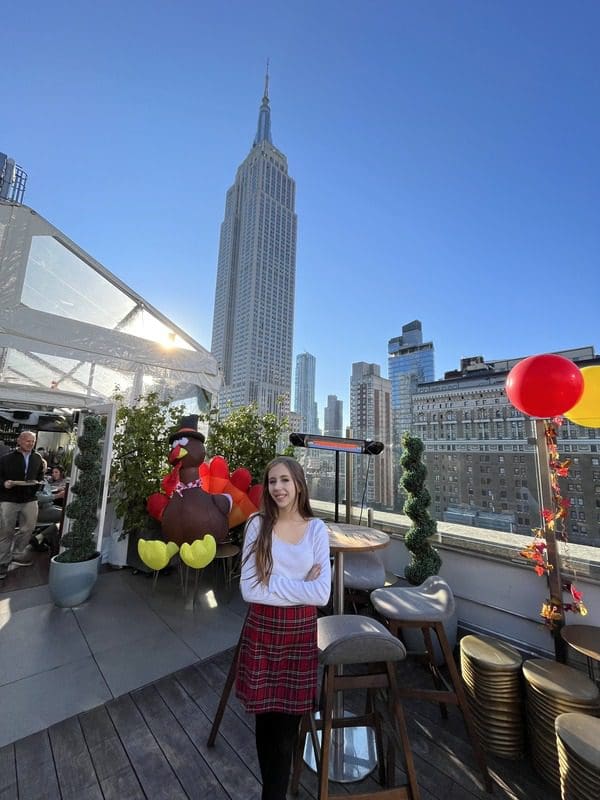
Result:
[
  {"x": 410, "y": 361},
  {"x": 304, "y": 396},
  {"x": 333, "y": 416},
  {"x": 253, "y": 320}
]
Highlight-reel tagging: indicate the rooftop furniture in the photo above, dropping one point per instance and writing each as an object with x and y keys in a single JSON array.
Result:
[
  {"x": 363, "y": 572},
  {"x": 344, "y": 539},
  {"x": 227, "y": 552},
  {"x": 585, "y": 639},
  {"x": 491, "y": 671},
  {"x": 345, "y": 639},
  {"x": 554, "y": 689},
  {"x": 426, "y": 607},
  {"x": 578, "y": 744}
]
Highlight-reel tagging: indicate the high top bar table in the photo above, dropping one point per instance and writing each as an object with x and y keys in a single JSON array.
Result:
[{"x": 585, "y": 639}]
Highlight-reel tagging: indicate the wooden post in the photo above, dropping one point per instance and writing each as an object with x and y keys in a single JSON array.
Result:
[{"x": 547, "y": 502}]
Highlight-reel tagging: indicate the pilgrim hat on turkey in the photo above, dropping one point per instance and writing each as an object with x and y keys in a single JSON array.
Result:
[{"x": 188, "y": 426}]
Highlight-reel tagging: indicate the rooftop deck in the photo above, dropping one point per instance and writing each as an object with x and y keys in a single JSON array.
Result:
[
  {"x": 118, "y": 698},
  {"x": 151, "y": 743}
]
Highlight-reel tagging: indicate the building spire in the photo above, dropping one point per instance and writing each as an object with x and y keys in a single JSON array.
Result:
[
  {"x": 263, "y": 132},
  {"x": 266, "y": 93}
]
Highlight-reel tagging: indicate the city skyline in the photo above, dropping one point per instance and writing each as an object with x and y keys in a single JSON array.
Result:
[
  {"x": 480, "y": 453},
  {"x": 445, "y": 157}
]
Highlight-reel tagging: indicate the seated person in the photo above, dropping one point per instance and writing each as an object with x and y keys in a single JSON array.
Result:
[
  {"x": 56, "y": 485},
  {"x": 50, "y": 500}
]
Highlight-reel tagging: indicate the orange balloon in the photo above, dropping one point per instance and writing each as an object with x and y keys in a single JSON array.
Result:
[{"x": 586, "y": 411}]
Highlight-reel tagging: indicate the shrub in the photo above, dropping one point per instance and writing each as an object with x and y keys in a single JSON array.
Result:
[
  {"x": 140, "y": 456},
  {"x": 79, "y": 541},
  {"x": 425, "y": 559}
]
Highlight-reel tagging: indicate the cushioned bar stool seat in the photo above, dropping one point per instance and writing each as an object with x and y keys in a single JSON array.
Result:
[
  {"x": 427, "y": 607},
  {"x": 363, "y": 572},
  {"x": 352, "y": 639}
]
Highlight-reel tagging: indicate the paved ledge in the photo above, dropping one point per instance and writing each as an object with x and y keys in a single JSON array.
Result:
[{"x": 582, "y": 559}]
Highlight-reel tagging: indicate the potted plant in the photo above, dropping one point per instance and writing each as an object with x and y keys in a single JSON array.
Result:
[
  {"x": 74, "y": 571},
  {"x": 425, "y": 560},
  {"x": 140, "y": 460}
]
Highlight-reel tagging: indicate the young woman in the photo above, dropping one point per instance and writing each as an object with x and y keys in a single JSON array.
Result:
[
  {"x": 286, "y": 574},
  {"x": 56, "y": 484}
]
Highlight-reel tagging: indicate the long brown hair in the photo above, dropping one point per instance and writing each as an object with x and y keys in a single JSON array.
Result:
[{"x": 269, "y": 512}]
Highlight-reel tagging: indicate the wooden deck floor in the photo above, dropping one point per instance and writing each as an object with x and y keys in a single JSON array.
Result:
[{"x": 152, "y": 744}]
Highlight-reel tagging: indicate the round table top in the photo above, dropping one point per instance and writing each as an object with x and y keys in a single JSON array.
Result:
[
  {"x": 584, "y": 638},
  {"x": 344, "y": 537}
]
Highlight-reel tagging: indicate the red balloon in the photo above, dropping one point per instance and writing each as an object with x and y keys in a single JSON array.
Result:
[{"x": 544, "y": 386}]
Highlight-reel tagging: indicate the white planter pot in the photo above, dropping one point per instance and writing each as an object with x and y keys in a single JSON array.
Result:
[{"x": 71, "y": 584}]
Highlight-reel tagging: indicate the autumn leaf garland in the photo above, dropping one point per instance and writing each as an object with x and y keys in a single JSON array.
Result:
[{"x": 554, "y": 520}]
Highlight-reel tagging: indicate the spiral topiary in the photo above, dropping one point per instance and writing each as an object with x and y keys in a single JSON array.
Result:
[
  {"x": 425, "y": 559},
  {"x": 79, "y": 541}
]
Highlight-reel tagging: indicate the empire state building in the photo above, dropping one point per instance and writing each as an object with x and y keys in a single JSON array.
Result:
[{"x": 253, "y": 320}]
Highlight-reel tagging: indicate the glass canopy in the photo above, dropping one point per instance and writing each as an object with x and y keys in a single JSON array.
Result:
[{"x": 71, "y": 329}]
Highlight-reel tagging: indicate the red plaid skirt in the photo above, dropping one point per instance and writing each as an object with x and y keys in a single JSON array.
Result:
[{"x": 278, "y": 659}]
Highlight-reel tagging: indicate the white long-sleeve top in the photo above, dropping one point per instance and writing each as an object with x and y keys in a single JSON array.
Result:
[{"x": 291, "y": 562}]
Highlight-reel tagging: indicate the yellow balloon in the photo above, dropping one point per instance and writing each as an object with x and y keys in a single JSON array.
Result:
[
  {"x": 587, "y": 411},
  {"x": 155, "y": 553},
  {"x": 172, "y": 548},
  {"x": 199, "y": 553}
]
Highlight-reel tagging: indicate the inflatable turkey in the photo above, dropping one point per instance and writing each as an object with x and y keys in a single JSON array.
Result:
[{"x": 190, "y": 513}]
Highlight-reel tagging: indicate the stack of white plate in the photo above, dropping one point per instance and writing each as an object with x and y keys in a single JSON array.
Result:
[
  {"x": 554, "y": 689},
  {"x": 578, "y": 743},
  {"x": 491, "y": 672}
]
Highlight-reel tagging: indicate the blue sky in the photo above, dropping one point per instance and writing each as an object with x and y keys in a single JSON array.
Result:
[{"x": 445, "y": 154}]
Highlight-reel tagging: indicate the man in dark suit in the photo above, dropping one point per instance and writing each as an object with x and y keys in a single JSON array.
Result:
[{"x": 18, "y": 504}]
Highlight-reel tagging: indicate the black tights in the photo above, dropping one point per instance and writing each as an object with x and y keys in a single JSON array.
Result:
[{"x": 276, "y": 737}]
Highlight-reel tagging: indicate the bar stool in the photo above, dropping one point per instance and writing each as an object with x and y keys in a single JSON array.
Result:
[
  {"x": 345, "y": 639},
  {"x": 553, "y": 689},
  {"x": 427, "y": 607},
  {"x": 227, "y": 553},
  {"x": 363, "y": 572},
  {"x": 491, "y": 672},
  {"x": 577, "y": 740}
]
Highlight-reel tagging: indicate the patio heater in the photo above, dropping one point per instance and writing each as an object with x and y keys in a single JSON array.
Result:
[{"x": 338, "y": 444}]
